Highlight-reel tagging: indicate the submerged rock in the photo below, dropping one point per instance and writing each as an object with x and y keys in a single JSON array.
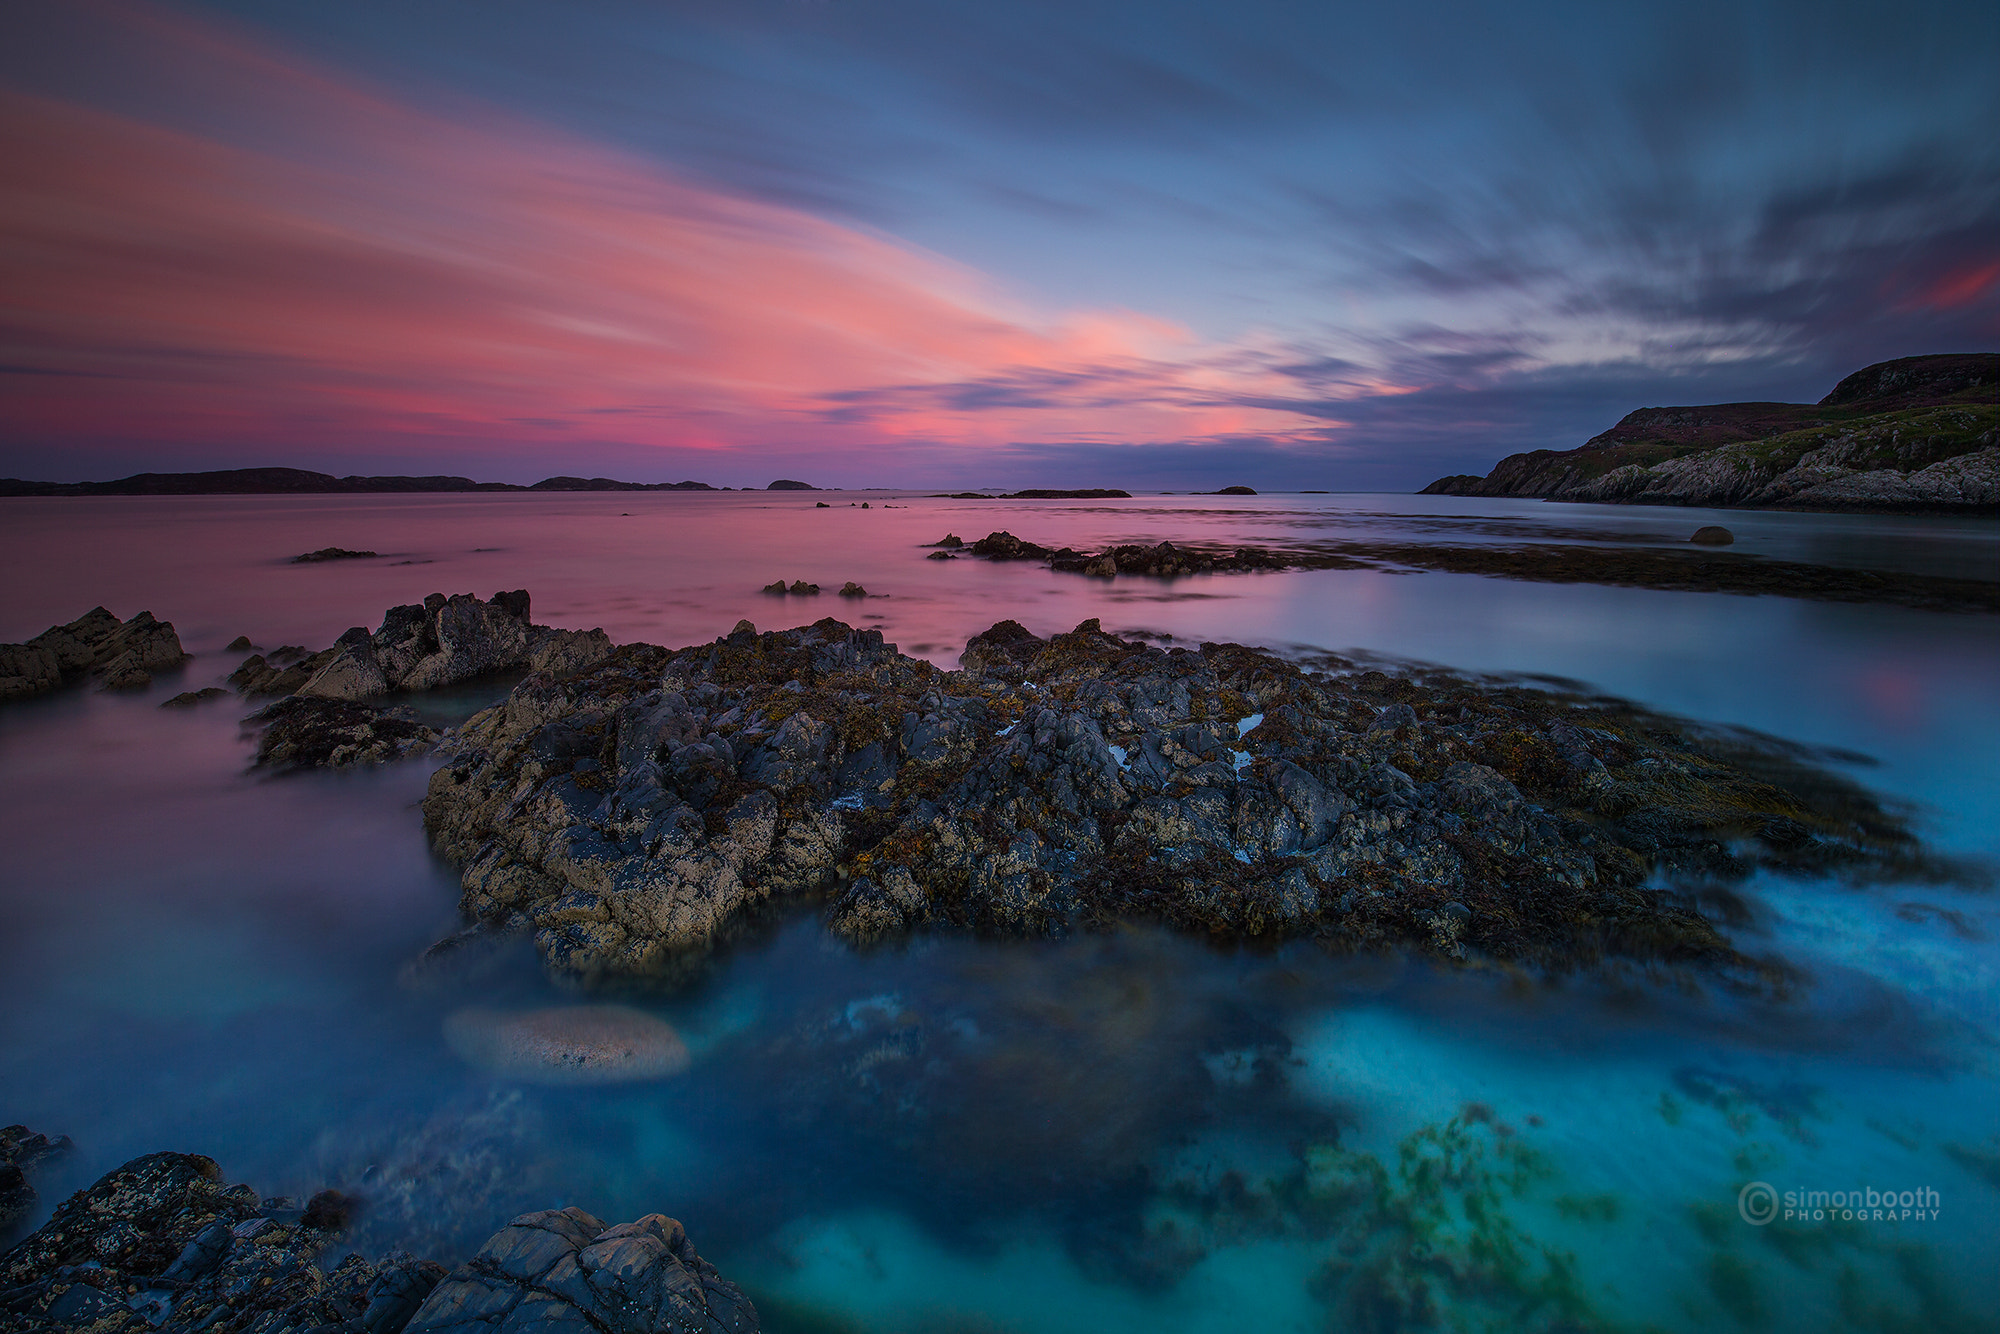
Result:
[
  {"x": 122, "y": 655},
  {"x": 645, "y": 811},
  {"x": 563, "y": 1270},
  {"x": 1713, "y": 535},
  {"x": 188, "y": 699},
  {"x": 575, "y": 1044}
]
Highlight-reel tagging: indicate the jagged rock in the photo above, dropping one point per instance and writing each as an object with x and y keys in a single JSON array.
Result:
[
  {"x": 352, "y": 673},
  {"x": 775, "y": 586},
  {"x": 635, "y": 816},
  {"x": 563, "y": 1270},
  {"x": 122, "y": 655},
  {"x": 572, "y": 1044},
  {"x": 850, "y": 589},
  {"x": 440, "y": 642},
  {"x": 802, "y": 589}
]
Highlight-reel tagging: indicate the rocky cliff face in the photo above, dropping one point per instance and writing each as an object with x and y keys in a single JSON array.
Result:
[{"x": 1917, "y": 434}]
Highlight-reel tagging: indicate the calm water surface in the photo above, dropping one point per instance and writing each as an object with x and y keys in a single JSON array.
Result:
[{"x": 1126, "y": 1131}]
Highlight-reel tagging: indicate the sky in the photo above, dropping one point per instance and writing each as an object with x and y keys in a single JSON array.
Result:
[{"x": 891, "y": 243}]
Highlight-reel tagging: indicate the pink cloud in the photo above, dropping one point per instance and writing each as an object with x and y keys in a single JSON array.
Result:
[{"x": 362, "y": 267}]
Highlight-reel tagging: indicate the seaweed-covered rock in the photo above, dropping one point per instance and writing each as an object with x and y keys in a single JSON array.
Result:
[
  {"x": 122, "y": 655},
  {"x": 308, "y": 732},
  {"x": 640, "y": 813},
  {"x": 563, "y": 1270}
]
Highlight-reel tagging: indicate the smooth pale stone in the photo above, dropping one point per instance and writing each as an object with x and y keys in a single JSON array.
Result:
[{"x": 572, "y": 1044}]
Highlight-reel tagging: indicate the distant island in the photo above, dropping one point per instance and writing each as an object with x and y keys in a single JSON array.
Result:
[
  {"x": 1042, "y": 493},
  {"x": 1916, "y": 435},
  {"x": 298, "y": 481}
]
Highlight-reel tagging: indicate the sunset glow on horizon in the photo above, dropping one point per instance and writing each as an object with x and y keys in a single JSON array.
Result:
[{"x": 220, "y": 251}]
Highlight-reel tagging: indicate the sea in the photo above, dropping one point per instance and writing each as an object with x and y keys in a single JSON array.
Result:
[{"x": 1125, "y": 1130}]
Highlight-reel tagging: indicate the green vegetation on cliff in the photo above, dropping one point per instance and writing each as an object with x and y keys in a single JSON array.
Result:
[{"x": 1917, "y": 434}]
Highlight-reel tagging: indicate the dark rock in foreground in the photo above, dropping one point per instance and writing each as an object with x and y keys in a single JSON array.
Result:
[
  {"x": 650, "y": 808},
  {"x": 122, "y": 655},
  {"x": 161, "y": 1243}
]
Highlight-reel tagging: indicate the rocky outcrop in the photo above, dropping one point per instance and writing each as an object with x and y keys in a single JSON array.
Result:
[
  {"x": 1917, "y": 435},
  {"x": 1161, "y": 560},
  {"x": 563, "y": 1270},
  {"x": 162, "y": 1244},
  {"x": 122, "y": 655},
  {"x": 634, "y": 816},
  {"x": 440, "y": 642},
  {"x": 331, "y": 553}
]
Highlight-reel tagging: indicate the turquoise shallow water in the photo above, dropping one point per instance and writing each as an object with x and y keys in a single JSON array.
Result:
[{"x": 1127, "y": 1131}]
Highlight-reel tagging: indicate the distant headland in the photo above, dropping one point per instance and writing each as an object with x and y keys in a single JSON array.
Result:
[
  {"x": 298, "y": 481},
  {"x": 1916, "y": 435}
]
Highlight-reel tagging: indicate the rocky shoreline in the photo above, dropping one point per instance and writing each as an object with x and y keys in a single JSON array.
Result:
[
  {"x": 631, "y": 809},
  {"x": 1666, "y": 568},
  {"x": 637, "y": 815},
  {"x": 163, "y": 1243}
]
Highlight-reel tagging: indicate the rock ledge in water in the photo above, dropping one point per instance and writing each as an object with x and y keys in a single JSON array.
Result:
[{"x": 635, "y": 816}]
